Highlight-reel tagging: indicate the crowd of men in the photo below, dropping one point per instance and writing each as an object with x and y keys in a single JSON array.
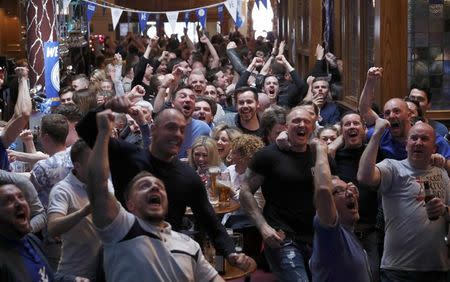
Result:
[{"x": 104, "y": 184}]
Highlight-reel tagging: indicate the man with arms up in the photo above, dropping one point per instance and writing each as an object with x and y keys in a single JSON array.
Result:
[
  {"x": 184, "y": 186},
  {"x": 139, "y": 243},
  {"x": 414, "y": 246},
  {"x": 338, "y": 255}
]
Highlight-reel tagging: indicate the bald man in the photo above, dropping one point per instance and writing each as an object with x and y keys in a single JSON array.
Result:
[{"x": 414, "y": 247}]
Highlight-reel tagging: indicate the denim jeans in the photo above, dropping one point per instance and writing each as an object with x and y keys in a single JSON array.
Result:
[
  {"x": 412, "y": 276},
  {"x": 287, "y": 263}
]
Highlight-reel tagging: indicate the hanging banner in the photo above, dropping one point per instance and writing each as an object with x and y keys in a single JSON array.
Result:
[
  {"x": 257, "y": 3},
  {"x": 201, "y": 13},
  {"x": 104, "y": 9},
  {"x": 232, "y": 8},
  {"x": 172, "y": 18},
  {"x": 143, "y": 17},
  {"x": 115, "y": 14},
  {"x": 264, "y": 2},
  {"x": 186, "y": 19},
  {"x": 90, "y": 10},
  {"x": 66, "y": 4},
  {"x": 240, "y": 18},
  {"x": 51, "y": 66},
  {"x": 220, "y": 14}
]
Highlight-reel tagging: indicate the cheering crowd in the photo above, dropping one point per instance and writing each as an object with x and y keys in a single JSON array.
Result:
[{"x": 99, "y": 190}]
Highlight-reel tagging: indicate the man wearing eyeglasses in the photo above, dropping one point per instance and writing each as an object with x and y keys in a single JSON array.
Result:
[
  {"x": 337, "y": 255},
  {"x": 414, "y": 246}
]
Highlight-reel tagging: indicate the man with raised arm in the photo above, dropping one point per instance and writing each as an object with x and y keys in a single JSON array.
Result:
[
  {"x": 138, "y": 243},
  {"x": 414, "y": 246},
  {"x": 337, "y": 255},
  {"x": 395, "y": 110},
  {"x": 184, "y": 186}
]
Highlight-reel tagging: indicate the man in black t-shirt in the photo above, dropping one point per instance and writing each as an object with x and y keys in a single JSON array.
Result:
[
  {"x": 287, "y": 185},
  {"x": 346, "y": 163}
]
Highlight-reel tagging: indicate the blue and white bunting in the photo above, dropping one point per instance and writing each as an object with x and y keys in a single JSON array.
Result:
[
  {"x": 115, "y": 14},
  {"x": 172, "y": 18},
  {"x": 201, "y": 14},
  {"x": 90, "y": 11},
  {"x": 186, "y": 18},
  {"x": 143, "y": 17}
]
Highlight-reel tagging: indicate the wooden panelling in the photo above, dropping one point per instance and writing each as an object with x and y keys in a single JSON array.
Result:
[{"x": 391, "y": 43}]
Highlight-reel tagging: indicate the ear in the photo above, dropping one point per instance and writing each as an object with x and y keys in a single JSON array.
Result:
[{"x": 130, "y": 206}]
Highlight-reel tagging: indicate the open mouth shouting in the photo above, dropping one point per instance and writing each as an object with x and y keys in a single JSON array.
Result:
[{"x": 154, "y": 201}]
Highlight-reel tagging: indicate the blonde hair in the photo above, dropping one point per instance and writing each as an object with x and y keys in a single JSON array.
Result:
[
  {"x": 211, "y": 147},
  {"x": 247, "y": 145}
]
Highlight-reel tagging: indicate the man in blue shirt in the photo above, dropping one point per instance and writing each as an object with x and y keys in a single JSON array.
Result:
[
  {"x": 21, "y": 258},
  {"x": 393, "y": 141},
  {"x": 337, "y": 253}
]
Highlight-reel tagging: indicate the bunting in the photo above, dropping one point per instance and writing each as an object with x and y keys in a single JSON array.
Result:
[
  {"x": 90, "y": 10},
  {"x": 201, "y": 13},
  {"x": 172, "y": 18},
  {"x": 143, "y": 17},
  {"x": 115, "y": 14}
]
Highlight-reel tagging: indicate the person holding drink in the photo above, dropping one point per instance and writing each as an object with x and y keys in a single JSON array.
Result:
[{"x": 414, "y": 247}]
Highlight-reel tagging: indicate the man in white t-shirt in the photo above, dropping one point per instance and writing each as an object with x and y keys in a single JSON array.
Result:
[
  {"x": 139, "y": 244},
  {"x": 414, "y": 246},
  {"x": 69, "y": 218}
]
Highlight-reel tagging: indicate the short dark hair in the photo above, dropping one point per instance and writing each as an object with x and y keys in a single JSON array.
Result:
[
  {"x": 351, "y": 112},
  {"x": 210, "y": 101},
  {"x": 310, "y": 103},
  {"x": 65, "y": 90},
  {"x": 174, "y": 93},
  {"x": 127, "y": 190},
  {"x": 270, "y": 117},
  {"x": 172, "y": 63},
  {"x": 423, "y": 88},
  {"x": 77, "y": 151},
  {"x": 56, "y": 126},
  {"x": 241, "y": 90},
  {"x": 70, "y": 111}
]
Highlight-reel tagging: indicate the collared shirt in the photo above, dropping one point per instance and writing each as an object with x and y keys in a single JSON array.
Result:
[{"x": 158, "y": 254}]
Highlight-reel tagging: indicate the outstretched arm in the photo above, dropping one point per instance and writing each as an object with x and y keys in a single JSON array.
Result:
[
  {"x": 323, "y": 197},
  {"x": 367, "y": 96},
  {"x": 22, "y": 109},
  {"x": 368, "y": 173},
  {"x": 103, "y": 204}
]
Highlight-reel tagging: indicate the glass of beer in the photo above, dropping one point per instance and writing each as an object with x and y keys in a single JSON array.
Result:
[
  {"x": 213, "y": 191},
  {"x": 224, "y": 188}
]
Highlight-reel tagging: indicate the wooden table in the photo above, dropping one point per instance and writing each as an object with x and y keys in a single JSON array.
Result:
[
  {"x": 221, "y": 209},
  {"x": 232, "y": 272}
]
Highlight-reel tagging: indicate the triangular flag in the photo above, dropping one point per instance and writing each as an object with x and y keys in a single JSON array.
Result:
[
  {"x": 239, "y": 18},
  {"x": 143, "y": 17},
  {"x": 264, "y": 3},
  {"x": 232, "y": 8},
  {"x": 257, "y": 3},
  {"x": 186, "y": 18},
  {"x": 220, "y": 13},
  {"x": 66, "y": 4},
  {"x": 90, "y": 10},
  {"x": 172, "y": 18},
  {"x": 201, "y": 13},
  {"x": 115, "y": 14}
]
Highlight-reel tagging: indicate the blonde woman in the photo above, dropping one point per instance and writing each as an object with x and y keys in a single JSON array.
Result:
[
  {"x": 224, "y": 134},
  {"x": 204, "y": 154}
]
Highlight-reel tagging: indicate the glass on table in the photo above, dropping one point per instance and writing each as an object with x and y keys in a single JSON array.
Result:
[
  {"x": 224, "y": 188},
  {"x": 238, "y": 239},
  {"x": 213, "y": 192}
]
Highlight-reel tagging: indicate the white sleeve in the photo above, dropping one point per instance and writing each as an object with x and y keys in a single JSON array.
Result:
[
  {"x": 58, "y": 201},
  {"x": 203, "y": 269},
  {"x": 387, "y": 171},
  {"x": 118, "y": 228}
]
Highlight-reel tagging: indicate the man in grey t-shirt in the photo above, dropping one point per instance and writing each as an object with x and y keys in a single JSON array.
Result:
[{"x": 414, "y": 248}]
